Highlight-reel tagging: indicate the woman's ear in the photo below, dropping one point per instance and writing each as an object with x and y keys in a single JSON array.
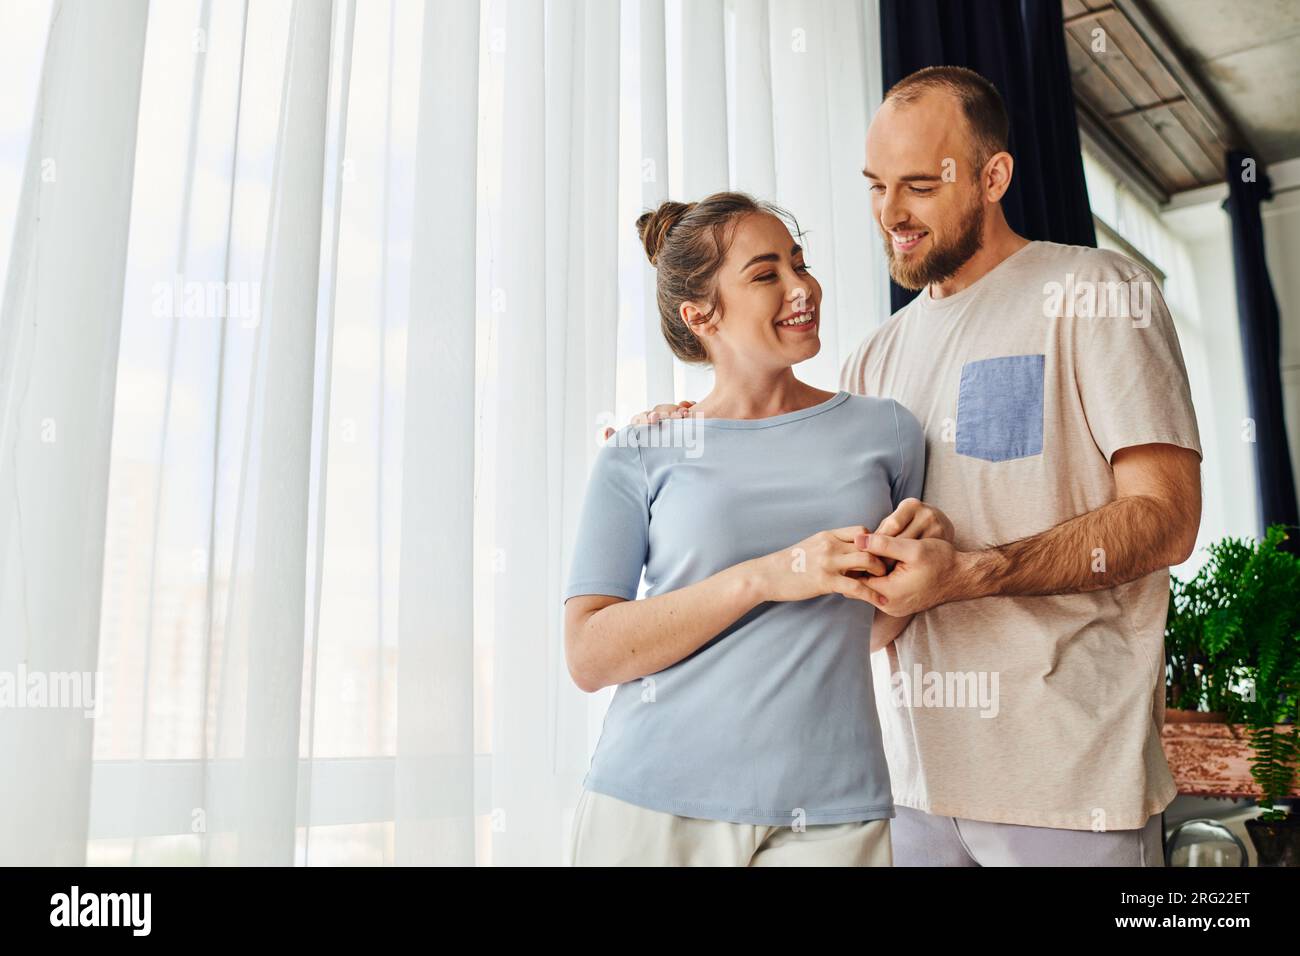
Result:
[{"x": 696, "y": 320}]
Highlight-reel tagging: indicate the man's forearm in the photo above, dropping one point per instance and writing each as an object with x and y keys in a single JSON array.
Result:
[{"x": 1117, "y": 543}]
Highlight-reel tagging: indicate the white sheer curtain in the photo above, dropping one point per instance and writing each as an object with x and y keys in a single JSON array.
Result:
[
  {"x": 313, "y": 313},
  {"x": 58, "y": 349}
]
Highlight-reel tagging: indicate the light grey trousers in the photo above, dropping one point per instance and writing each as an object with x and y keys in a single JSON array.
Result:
[{"x": 924, "y": 839}]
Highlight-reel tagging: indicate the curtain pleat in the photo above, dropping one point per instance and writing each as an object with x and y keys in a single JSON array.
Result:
[
  {"x": 331, "y": 270},
  {"x": 160, "y": 486},
  {"x": 703, "y": 85},
  {"x": 654, "y": 172},
  {"x": 435, "y": 796},
  {"x": 263, "y": 810},
  {"x": 801, "y": 49},
  {"x": 753, "y": 150},
  {"x": 58, "y": 365},
  {"x": 571, "y": 263},
  {"x": 851, "y": 100},
  {"x": 519, "y": 801}
]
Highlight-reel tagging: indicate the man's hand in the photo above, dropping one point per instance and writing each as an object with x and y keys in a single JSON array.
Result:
[
  {"x": 1151, "y": 525},
  {"x": 925, "y": 573},
  {"x": 916, "y": 519},
  {"x": 658, "y": 413},
  {"x": 912, "y": 521}
]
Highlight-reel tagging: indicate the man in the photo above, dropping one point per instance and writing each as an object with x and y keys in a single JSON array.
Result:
[{"x": 1021, "y": 706}]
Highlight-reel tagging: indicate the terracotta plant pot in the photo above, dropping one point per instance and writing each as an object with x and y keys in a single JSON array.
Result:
[{"x": 1277, "y": 842}]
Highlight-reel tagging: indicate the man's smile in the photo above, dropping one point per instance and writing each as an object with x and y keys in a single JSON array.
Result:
[{"x": 906, "y": 241}]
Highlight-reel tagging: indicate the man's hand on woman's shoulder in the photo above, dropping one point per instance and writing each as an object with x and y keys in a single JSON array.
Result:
[{"x": 658, "y": 413}]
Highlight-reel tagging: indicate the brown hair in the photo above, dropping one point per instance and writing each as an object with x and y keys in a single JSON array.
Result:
[
  {"x": 980, "y": 101},
  {"x": 687, "y": 243}
]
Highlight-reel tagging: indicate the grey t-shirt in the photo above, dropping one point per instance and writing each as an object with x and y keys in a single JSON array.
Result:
[{"x": 773, "y": 721}]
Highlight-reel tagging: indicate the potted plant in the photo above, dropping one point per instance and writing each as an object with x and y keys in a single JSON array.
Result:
[{"x": 1232, "y": 647}]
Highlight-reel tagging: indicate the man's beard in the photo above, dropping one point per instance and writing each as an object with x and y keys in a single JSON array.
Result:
[{"x": 942, "y": 262}]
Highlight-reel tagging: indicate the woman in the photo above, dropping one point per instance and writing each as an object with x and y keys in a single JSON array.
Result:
[{"x": 743, "y": 730}]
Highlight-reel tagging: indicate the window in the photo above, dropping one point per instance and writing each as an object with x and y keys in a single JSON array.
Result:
[{"x": 1195, "y": 276}]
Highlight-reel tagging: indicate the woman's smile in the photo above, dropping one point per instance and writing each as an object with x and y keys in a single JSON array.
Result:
[{"x": 799, "y": 321}]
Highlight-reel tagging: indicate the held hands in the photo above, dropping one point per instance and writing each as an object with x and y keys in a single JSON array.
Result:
[
  {"x": 841, "y": 561},
  {"x": 906, "y": 566},
  {"x": 925, "y": 570},
  {"x": 817, "y": 565}
]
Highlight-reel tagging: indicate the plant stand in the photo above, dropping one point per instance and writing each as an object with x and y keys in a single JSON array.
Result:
[{"x": 1210, "y": 759}]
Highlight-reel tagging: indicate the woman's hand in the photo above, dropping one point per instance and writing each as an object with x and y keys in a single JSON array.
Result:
[{"x": 817, "y": 565}]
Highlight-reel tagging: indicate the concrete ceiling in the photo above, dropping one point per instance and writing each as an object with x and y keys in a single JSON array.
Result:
[{"x": 1248, "y": 54}]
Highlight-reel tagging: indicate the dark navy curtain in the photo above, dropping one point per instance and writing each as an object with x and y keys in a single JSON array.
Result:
[
  {"x": 1257, "y": 314},
  {"x": 1020, "y": 46}
]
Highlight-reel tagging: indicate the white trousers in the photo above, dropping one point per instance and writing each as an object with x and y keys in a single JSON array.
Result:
[{"x": 611, "y": 832}]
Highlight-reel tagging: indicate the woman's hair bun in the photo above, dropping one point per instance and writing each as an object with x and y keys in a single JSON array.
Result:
[{"x": 653, "y": 227}]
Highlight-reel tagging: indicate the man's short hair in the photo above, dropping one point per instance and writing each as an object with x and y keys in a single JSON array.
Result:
[{"x": 980, "y": 102}]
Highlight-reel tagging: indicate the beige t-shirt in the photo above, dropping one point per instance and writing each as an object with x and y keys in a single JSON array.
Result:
[{"x": 1042, "y": 711}]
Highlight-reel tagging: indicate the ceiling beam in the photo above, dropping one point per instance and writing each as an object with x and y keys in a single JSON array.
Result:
[
  {"x": 1117, "y": 157},
  {"x": 1158, "y": 105},
  {"x": 1088, "y": 15},
  {"x": 1202, "y": 99}
]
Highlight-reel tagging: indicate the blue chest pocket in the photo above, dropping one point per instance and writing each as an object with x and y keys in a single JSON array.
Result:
[{"x": 1000, "y": 408}]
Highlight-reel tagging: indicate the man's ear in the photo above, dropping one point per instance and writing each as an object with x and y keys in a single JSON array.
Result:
[{"x": 996, "y": 178}]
